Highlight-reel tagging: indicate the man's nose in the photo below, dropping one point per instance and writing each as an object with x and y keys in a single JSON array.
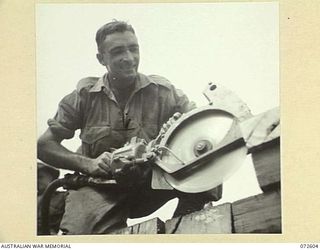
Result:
[{"x": 128, "y": 56}]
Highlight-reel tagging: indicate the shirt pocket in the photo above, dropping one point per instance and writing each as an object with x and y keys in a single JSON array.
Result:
[{"x": 95, "y": 140}]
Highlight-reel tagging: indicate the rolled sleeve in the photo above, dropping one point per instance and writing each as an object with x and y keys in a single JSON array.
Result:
[
  {"x": 178, "y": 101},
  {"x": 67, "y": 119},
  {"x": 183, "y": 104}
]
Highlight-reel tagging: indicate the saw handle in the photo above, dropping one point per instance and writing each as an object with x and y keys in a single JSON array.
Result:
[{"x": 129, "y": 164}]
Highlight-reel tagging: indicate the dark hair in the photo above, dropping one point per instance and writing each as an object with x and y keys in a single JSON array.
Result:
[{"x": 109, "y": 28}]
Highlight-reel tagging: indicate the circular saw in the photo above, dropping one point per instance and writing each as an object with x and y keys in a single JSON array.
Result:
[
  {"x": 201, "y": 150},
  {"x": 203, "y": 147}
]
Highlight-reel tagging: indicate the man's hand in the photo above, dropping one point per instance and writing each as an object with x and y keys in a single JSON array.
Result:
[
  {"x": 127, "y": 172},
  {"x": 100, "y": 167}
]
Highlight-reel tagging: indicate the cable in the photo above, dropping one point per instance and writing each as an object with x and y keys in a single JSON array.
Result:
[{"x": 173, "y": 154}]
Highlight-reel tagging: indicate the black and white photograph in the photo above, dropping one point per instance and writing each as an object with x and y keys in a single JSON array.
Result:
[{"x": 158, "y": 118}]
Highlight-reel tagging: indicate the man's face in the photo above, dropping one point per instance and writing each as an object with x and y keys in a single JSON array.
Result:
[{"x": 120, "y": 54}]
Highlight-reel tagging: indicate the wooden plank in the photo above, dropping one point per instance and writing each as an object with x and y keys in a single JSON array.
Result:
[
  {"x": 258, "y": 214},
  {"x": 153, "y": 226},
  {"x": 127, "y": 230},
  {"x": 266, "y": 162},
  {"x": 209, "y": 220}
]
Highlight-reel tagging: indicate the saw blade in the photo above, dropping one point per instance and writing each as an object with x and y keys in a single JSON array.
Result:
[{"x": 211, "y": 127}]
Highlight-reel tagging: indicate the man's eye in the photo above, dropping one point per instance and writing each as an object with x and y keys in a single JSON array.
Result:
[
  {"x": 134, "y": 49},
  {"x": 117, "y": 51}
]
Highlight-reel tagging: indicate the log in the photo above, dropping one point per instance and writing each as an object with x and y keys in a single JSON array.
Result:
[
  {"x": 211, "y": 220},
  {"x": 153, "y": 226},
  {"x": 258, "y": 214}
]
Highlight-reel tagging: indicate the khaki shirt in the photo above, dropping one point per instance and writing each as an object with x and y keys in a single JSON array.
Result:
[{"x": 93, "y": 108}]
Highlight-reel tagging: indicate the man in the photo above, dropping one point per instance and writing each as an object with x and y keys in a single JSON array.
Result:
[{"x": 110, "y": 111}]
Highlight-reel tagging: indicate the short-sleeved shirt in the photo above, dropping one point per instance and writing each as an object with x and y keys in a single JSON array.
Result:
[{"x": 93, "y": 109}]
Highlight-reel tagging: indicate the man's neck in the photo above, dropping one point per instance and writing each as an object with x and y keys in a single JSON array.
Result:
[
  {"x": 122, "y": 89},
  {"x": 121, "y": 84}
]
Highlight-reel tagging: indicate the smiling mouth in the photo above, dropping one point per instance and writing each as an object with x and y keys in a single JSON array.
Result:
[{"x": 129, "y": 69}]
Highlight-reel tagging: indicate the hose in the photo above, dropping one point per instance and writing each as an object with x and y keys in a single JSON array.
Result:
[{"x": 45, "y": 205}]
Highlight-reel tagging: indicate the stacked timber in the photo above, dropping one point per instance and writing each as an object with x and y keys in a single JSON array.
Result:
[{"x": 262, "y": 213}]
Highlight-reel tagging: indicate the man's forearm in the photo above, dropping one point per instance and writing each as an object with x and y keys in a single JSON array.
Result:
[{"x": 53, "y": 153}]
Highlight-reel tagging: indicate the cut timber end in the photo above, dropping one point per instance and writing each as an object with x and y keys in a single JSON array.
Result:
[
  {"x": 262, "y": 136},
  {"x": 212, "y": 220},
  {"x": 266, "y": 162},
  {"x": 153, "y": 226},
  {"x": 258, "y": 214}
]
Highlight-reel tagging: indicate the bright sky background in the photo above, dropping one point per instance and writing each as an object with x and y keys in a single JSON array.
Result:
[{"x": 232, "y": 44}]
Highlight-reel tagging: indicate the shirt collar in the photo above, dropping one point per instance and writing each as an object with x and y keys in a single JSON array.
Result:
[
  {"x": 97, "y": 87},
  {"x": 103, "y": 82}
]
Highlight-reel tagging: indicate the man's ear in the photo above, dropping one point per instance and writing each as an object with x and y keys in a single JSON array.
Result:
[{"x": 100, "y": 59}]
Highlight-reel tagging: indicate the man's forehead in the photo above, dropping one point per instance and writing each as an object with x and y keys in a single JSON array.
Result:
[{"x": 120, "y": 39}]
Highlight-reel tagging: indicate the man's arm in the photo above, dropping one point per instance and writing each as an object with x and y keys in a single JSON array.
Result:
[{"x": 52, "y": 152}]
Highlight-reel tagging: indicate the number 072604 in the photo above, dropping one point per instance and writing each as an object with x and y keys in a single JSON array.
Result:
[{"x": 304, "y": 245}]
